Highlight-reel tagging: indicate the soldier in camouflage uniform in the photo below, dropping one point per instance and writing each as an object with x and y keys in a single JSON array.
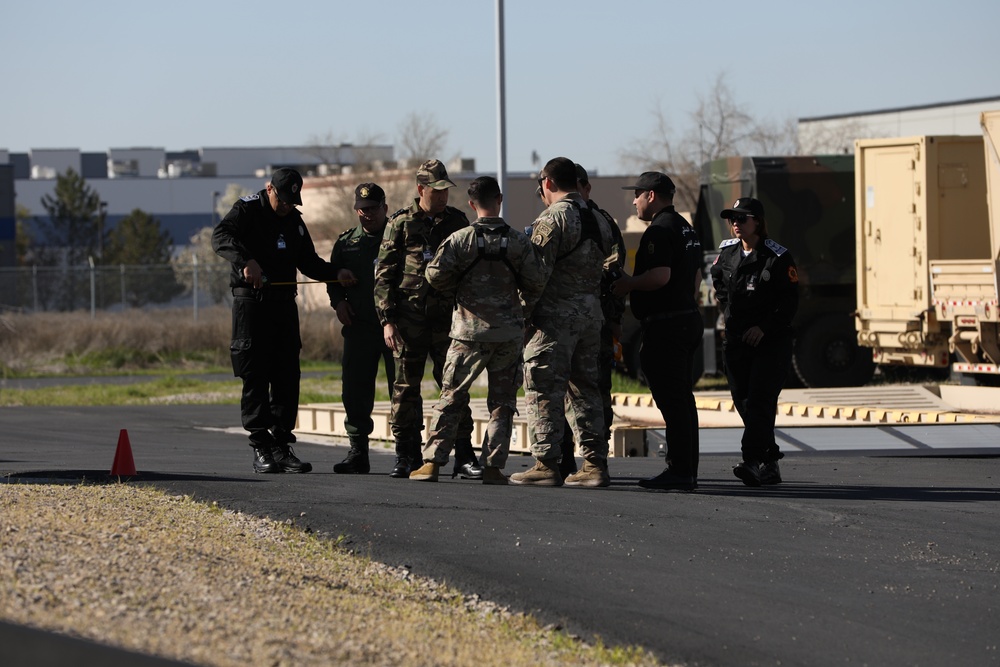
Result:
[
  {"x": 613, "y": 308},
  {"x": 416, "y": 318},
  {"x": 560, "y": 358},
  {"x": 484, "y": 266}
]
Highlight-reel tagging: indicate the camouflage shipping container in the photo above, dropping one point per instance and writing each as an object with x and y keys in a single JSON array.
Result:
[{"x": 810, "y": 205}]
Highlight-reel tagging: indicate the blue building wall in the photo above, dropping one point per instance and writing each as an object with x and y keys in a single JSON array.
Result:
[{"x": 8, "y": 254}]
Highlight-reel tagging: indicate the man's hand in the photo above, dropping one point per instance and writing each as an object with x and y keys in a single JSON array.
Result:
[
  {"x": 392, "y": 338},
  {"x": 622, "y": 286},
  {"x": 253, "y": 274},
  {"x": 344, "y": 313},
  {"x": 753, "y": 336},
  {"x": 346, "y": 278}
]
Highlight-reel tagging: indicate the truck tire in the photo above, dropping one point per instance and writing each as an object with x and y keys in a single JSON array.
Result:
[{"x": 826, "y": 354}]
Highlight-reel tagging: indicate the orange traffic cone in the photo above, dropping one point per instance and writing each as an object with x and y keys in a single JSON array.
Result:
[{"x": 123, "y": 465}]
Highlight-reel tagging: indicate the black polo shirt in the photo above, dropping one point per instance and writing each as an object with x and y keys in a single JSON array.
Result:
[{"x": 668, "y": 241}]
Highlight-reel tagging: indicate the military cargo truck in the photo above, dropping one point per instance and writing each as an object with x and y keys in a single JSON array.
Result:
[
  {"x": 809, "y": 202},
  {"x": 929, "y": 235}
]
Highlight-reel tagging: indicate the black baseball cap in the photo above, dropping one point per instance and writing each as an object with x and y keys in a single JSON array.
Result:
[
  {"x": 655, "y": 181},
  {"x": 288, "y": 184},
  {"x": 581, "y": 174},
  {"x": 744, "y": 206},
  {"x": 368, "y": 194}
]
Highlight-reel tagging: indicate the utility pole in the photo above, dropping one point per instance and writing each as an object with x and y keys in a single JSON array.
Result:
[{"x": 501, "y": 105}]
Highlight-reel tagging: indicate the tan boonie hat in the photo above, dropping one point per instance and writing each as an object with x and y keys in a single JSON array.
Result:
[{"x": 433, "y": 174}]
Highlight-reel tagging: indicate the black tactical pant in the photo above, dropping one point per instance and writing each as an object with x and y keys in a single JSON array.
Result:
[
  {"x": 265, "y": 352},
  {"x": 364, "y": 348},
  {"x": 756, "y": 376},
  {"x": 667, "y": 361}
]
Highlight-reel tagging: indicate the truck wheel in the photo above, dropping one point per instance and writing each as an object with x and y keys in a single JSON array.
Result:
[{"x": 827, "y": 354}]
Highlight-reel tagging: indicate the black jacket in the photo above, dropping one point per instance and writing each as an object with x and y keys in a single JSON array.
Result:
[
  {"x": 760, "y": 289},
  {"x": 252, "y": 230}
]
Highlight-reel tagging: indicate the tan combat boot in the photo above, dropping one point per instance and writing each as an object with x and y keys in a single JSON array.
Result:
[
  {"x": 591, "y": 475},
  {"x": 545, "y": 473},
  {"x": 428, "y": 472},
  {"x": 494, "y": 476}
]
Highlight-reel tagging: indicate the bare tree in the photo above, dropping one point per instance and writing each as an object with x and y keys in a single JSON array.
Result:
[
  {"x": 213, "y": 270},
  {"x": 325, "y": 148},
  {"x": 421, "y": 138},
  {"x": 831, "y": 137},
  {"x": 720, "y": 127}
]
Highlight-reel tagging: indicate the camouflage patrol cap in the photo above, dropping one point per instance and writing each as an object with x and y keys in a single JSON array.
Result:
[
  {"x": 368, "y": 194},
  {"x": 288, "y": 184},
  {"x": 744, "y": 206},
  {"x": 433, "y": 174}
]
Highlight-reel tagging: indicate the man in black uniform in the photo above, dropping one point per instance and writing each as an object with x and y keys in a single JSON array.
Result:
[
  {"x": 667, "y": 278},
  {"x": 756, "y": 285},
  {"x": 357, "y": 250},
  {"x": 265, "y": 239}
]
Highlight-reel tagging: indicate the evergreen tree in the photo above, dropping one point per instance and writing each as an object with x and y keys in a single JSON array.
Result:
[
  {"x": 69, "y": 236},
  {"x": 139, "y": 243}
]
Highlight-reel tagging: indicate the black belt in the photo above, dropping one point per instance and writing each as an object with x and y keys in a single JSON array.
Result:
[
  {"x": 661, "y": 317},
  {"x": 264, "y": 295}
]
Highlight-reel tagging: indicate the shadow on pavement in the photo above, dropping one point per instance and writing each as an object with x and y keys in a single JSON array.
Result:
[{"x": 28, "y": 647}]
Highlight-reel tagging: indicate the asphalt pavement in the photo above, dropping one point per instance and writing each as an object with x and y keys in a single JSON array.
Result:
[{"x": 856, "y": 559}]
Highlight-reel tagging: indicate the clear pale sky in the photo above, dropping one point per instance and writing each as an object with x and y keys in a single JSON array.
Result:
[{"x": 182, "y": 74}]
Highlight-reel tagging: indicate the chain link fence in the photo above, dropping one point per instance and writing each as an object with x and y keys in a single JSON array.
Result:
[{"x": 118, "y": 288}]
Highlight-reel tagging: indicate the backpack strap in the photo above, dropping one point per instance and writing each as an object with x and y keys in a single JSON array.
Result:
[
  {"x": 590, "y": 229},
  {"x": 484, "y": 253}
]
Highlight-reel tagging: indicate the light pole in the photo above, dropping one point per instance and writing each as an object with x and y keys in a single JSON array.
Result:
[
  {"x": 501, "y": 103},
  {"x": 101, "y": 217}
]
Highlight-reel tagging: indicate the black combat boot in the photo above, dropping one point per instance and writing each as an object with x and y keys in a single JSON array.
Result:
[
  {"x": 404, "y": 460},
  {"x": 356, "y": 462},
  {"x": 263, "y": 460},
  {"x": 285, "y": 459},
  {"x": 466, "y": 464},
  {"x": 567, "y": 464}
]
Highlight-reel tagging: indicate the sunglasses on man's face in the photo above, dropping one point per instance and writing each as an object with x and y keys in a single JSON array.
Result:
[{"x": 739, "y": 219}]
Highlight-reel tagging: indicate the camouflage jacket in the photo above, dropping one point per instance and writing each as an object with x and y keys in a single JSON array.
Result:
[
  {"x": 571, "y": 270},
  {"x": 487, "y": 281},
  {"x": 410, "y": 240}
]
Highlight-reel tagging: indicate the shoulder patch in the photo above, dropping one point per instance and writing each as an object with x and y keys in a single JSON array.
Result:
[
  {"x": 398, "y": 213},
  {"x": 728, "y": 242},
  {"x": 346, "y": 233},
  {"x": 250, "y": 198},
  {"x": 776, "y": 247}
]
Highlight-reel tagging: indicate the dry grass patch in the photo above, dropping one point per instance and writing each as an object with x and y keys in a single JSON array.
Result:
[
  {"x": 133, "y": 567},
  {"x": 74, "y": 343}
]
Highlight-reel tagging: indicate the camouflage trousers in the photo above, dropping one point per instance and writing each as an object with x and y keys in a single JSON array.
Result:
[
  {"x": 466, "y": 361},
  {"x": 420, "y": 341},
  {"x": 561, "y": 386}
]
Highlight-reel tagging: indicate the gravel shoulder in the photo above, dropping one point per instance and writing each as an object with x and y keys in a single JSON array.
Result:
[{"x": 164, "y": 575}]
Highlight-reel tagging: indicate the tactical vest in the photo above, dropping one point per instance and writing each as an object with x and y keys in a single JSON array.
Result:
[{"x": 489, "y": 255}]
